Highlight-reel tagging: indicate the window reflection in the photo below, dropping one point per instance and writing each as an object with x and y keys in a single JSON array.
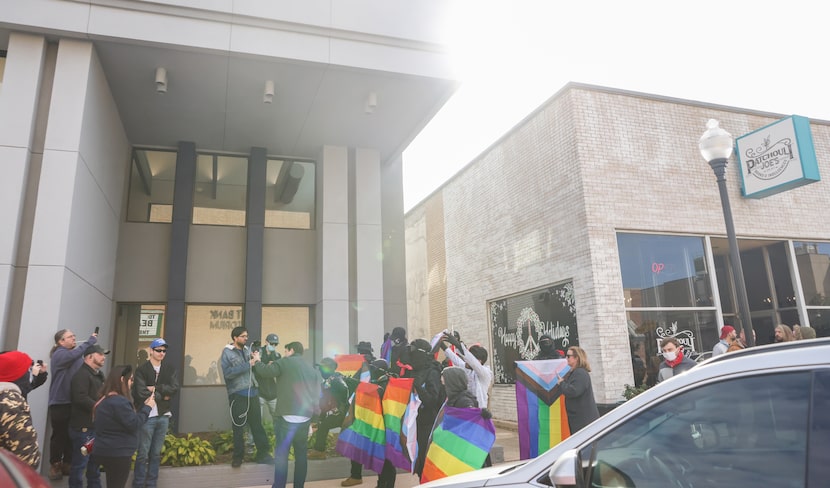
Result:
[
  {"x": 152, "y": 178},
  {"x": 208, "y": 330},
  {"x": 219, "y": 196},
  {"x": 664, "y": 271},
  {"x": 289, "y": 194},
  {"x": 813, "y": 260}
]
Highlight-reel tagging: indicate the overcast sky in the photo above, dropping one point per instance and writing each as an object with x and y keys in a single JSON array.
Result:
[{"x": 513, "y": 55}]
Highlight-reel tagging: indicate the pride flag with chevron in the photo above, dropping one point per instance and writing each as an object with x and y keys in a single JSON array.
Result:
[
  {"x": 364, "y": 441},
  {"x": 543, "y": 422},
  {"x": 459, "y": 443}
]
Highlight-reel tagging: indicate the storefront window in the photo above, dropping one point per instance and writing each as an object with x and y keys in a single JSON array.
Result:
[
  {"x": 289, "y": 323},
  {"x": 219, "y": 197},
  {"x": 813, "y": 261},
  {"x": 517, "y": 322},
  {"x": 696, "y": 331},
  {"x": 207, "y": 331},
  {"x": 152, "y": 178},
  {"x": 136, "y": 326},
  {"x": 289, "y": 194},
  {"x": 664, "y": 271}
]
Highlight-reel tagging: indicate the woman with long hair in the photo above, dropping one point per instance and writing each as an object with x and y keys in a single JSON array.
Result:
[
  {"x": 116, "y": 425},
  {"x": 576, "y": 387}
]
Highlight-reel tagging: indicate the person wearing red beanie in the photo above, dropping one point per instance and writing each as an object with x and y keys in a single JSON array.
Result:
[{"x": 17, "y": 434}]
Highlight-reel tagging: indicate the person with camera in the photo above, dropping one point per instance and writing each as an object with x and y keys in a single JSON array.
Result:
[
  {"x": 17, "y": 433},
  {"x": 243, "y": 397},
  {"x": 84, "y": 392},
  {"x": 158, "y": 379},
  {"x": 66, "y": 357},
  {"x": 117, "y": 425}
]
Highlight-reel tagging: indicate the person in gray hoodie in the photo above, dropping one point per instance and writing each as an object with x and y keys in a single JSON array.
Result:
[{"x": 66, "y": 357}]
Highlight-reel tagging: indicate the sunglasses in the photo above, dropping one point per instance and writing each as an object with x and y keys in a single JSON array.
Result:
[
  {"x": 570, "y": 355},
  {"x": 162, "y": 351}
]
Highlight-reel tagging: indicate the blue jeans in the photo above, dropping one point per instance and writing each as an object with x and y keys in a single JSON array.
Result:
[
  {"x": 148, "y": 457},
  {"x": 80, "y": 463},
  {"x": 289, "y": 435}
]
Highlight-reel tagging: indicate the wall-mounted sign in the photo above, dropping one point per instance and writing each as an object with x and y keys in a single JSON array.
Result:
[
  {"x": 777, "y": 157},
  {"x": 517, "y": 323},
  {"x": 151, "y": 322}
]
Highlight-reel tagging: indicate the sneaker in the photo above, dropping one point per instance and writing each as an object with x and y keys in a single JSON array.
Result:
[
  {"x": 236, "y": 463},
  {"x": 266, "y": 459},
  {"x": 351, "y": 482},
  {"x": 315, "y": 454},
  {"x": 55, "y": 472}
]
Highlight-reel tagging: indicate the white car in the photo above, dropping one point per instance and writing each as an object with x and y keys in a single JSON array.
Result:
[{"x": 757, "y": 417}]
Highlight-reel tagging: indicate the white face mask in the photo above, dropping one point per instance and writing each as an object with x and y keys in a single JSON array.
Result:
[{"x": 670, "y": 355}]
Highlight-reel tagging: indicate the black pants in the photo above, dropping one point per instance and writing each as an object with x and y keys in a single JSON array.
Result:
[
  {"x": 245, "y": 410},
  {"x": 60, "y": 445},
  {"x": 326, "y": 424},
  {"x": 356, "y": 471},
  {"x": 387, "y": 476},
  {"x": 116, "y": 469}
]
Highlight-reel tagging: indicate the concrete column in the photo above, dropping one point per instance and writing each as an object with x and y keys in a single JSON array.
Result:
[
  {"x": 368, "y": 247},
  {"x": 332, "y": 311},
  {"x": 19, "y": 152},
  {"x": 255, "y": 223}
]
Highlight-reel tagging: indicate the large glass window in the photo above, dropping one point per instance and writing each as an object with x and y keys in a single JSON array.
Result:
[
  {"x": 136, "y": 326},
  {"x": 152, "y": 178},
  {"x": 813, "y": 261},
  {"x": 290, "y": 194},
  {"x": 740, "y": 432},
  {"x": 207, "y": 331},
  {"x": 289, "y": 323},
  {"x": 219, "y": 197},
  {"x": 664, "y": 271},
  {"x": 696, "y": 331}
]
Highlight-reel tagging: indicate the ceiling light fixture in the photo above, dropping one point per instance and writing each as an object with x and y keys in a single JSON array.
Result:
[
  {"x": 161, "y": 80},
  {"x": 268, "y": 97}
]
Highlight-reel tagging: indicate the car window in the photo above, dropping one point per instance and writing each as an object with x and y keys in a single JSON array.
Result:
[
  {"x": 819, "y": 467},
  {"x": 748, "y": 431}
]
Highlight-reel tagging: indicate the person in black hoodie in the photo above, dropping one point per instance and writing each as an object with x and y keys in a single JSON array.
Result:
[
  {"x": 419, "y": 363},
  {"x": 156, "y": 378},
  {"x": 547, "y": 349},
  {"x": 454, "y": 379},
  {"x": 117, "y": 425}
]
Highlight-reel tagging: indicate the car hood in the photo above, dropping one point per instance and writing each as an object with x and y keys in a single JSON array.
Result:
[{"x": 479, "y": 477}]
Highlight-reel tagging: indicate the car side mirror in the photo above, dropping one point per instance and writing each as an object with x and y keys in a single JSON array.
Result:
[{"x": 563, "y": 471}]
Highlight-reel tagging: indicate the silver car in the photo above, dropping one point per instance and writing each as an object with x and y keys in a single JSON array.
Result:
[{"x": 757, "y": 417}]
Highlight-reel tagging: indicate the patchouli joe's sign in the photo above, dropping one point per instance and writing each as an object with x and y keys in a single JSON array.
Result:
[{"x": 777, "y": 157}]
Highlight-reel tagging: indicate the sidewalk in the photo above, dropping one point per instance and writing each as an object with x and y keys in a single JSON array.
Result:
[{"x": 321, "y": 473}]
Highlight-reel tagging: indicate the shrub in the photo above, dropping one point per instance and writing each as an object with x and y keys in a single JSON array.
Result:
[
  {"x": 186, "y": 451},
  {"x": 632, "y": 391}
]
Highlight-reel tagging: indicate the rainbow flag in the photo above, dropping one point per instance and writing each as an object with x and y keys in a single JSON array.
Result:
[
  {"x": 459, "y": 443},
  {"x": 349, "y": 364},
  {"x": 364, "y": 441},
  {"x": 395, "y": 401},
  {"x": 543, "y": 422}
]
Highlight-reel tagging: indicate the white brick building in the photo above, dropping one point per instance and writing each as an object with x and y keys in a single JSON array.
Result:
[{"x": 595, "y": 187}]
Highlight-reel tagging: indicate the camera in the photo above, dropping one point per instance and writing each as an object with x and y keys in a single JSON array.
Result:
[{"x": 256, "y": 346}]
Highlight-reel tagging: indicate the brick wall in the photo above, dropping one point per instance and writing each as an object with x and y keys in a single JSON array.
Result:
[{"x": 544, "y": 203}]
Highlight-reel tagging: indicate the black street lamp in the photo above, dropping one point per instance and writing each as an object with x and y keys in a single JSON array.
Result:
[{"x": 716, "y": 146}]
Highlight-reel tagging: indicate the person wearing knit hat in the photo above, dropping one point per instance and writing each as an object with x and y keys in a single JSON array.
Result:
[
  {"x": 26, "y": 380},
  {"x": 727, "y": 336},
  {"x": 19, "y": 436}
]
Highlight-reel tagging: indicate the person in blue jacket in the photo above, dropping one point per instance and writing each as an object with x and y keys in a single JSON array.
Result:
[{"x": 116, "y": 424}]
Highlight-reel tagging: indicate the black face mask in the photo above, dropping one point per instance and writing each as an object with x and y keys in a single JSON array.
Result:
[{"x": 546, "y": 346}]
